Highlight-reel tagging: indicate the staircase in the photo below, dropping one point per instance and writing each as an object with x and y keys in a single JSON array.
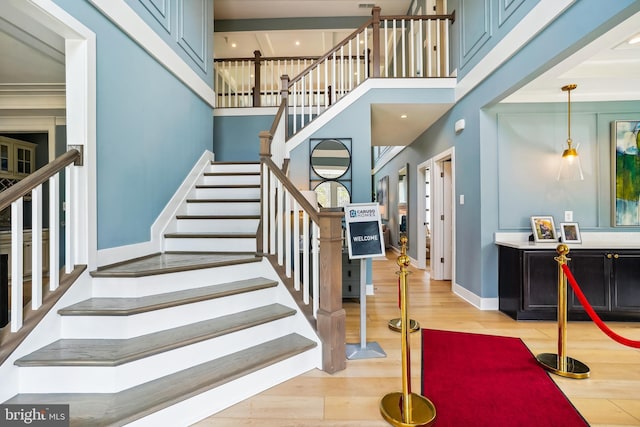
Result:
[{"x": 171, "y": 338}]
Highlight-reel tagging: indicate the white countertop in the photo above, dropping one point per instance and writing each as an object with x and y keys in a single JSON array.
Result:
[{"x": 590, "y": 240}]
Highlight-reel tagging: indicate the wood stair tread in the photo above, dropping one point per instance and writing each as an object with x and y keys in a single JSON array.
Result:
[
  {"x": 212, "y": 235},
  {"x": 223, "y": 200},
  {"x": 104, "y": 409},
  {"x": 131, "y": 306},
  {"x": 228, "y": 186},
  {"x": 231, "y": 173},
  {"x": 172, "y": 262},
  {"x": 218, "y": 216},
  {"x": 115, "y": 352}
]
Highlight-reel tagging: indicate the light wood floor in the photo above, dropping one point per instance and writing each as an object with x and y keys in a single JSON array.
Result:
[{"x": 611, "y": 397}]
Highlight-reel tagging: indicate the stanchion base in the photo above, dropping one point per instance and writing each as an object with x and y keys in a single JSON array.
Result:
[
  {"x": 372, "y": 350},
  {"x": 575, "y": 368},
  {"x": 423, "y": 412},
  {"x": 396, "y": 325}
]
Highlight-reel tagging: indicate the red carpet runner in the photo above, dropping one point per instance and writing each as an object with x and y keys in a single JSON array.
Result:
[{"x": 484, "y": 380}]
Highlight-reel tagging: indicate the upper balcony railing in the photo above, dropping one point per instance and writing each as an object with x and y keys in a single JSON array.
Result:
[{"x": 385, "y": 46}]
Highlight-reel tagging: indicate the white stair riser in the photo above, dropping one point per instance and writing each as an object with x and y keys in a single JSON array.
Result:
[
  {"x": 230, "y": 180},
  {"x": 210, "y": 244},
  {"x": 218, "y": 225},
  {"x": 213, "y": 208},
  {"x": 227, "y": 193},
  {"x": 170, "y": 282},
  {"x": 194, "y": 409},
  {"x": 67, "y": 379},
  {"x": 120, "y": 327},
  {"x": 234, "y": 167}
]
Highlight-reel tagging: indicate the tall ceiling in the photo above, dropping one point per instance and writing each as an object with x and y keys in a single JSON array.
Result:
[{"x": 607, "y": 69}]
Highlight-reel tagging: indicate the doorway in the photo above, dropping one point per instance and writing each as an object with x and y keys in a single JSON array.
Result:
[{"x": 436, "y": 190}]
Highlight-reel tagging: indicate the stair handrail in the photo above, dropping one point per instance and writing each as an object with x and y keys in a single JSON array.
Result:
[
  {"x": 40, "y": 176},
  {"x": 312, "y": 101},
  {"x": 294, "y": 232},
  {"x": 14, "y": 197}
]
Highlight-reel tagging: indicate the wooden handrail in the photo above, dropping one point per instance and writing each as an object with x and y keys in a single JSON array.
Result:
[
  {"x": 360, "y": 29},
  {"x": 24, "y": 186},
  {"x": 335, "y": 49}
]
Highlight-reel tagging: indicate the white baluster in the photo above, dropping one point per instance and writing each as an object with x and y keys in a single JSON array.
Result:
[
  {"x": 54, "y": 232},
  {"x": 36, "y": 247},
  {"x": 17, "y": 272}
]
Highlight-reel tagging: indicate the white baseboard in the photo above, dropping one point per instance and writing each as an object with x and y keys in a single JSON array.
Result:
[
  {"x": 168, "y": 215},
  {"x": 473, "y": 299}
]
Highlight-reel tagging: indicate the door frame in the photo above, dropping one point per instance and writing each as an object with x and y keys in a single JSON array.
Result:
[
  {"x": 437, "y": 232},
  {"x": 421, "y": 235}
]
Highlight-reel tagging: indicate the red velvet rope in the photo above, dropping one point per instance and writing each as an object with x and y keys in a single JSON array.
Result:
[{"x": 594, "y": 316}]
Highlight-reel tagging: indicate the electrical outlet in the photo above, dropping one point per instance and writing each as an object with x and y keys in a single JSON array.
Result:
[{"x": 568, "y": 216}]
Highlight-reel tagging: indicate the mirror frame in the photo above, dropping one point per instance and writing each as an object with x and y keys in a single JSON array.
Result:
[{"x": 344, "y": 148}]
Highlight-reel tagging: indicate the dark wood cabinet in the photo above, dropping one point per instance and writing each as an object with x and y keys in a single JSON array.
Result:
[
  {"x": 528, "y": 283},
  {"x": 350, "y": 276}
]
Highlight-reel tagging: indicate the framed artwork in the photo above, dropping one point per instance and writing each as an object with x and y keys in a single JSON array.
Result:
[
  {"x": 625, "y": 171},
  {"x": 570, "y": 232},
  {"x": 544, "y": 229},
  {"x": 382, "y": 197}
]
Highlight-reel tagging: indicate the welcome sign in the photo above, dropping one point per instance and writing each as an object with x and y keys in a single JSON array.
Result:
[{"x": 364, "y": 230}]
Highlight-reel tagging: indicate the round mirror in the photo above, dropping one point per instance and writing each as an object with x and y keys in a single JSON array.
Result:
[
  {"x": 330, "y": 159},
  {"x": 332, "y": 194}
]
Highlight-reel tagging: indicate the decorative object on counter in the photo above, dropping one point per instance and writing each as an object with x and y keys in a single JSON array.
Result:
[
  {"x": 570, "y": 232},
  {"x": 570, "y": 168},
  {"x": 544, "y": 229},
  {"x": 625, "y": 171}
]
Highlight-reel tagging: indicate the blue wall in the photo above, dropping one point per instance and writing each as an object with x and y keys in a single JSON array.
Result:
[
  {"x": 151, "y": 129},
  {"x": 235, "y": 138}
]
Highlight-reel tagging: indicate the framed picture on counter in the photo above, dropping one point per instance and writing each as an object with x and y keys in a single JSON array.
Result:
[
  {"x": 544, "y": 229},
  {"x": 570, "y": 232}
]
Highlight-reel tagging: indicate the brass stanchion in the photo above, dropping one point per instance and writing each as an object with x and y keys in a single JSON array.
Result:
[
  {"x": 396, "y": 323},
  {"x": 560, "y": 364},
  {"x": 406, "y": 409}
]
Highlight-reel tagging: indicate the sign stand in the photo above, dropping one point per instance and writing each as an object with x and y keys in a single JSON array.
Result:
[{"x": 364, "y": 237}]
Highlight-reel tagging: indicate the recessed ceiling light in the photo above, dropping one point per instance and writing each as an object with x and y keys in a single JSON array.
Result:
[
  {"x": 233, "y": 45},
  {"x": 297, "y": 43},
  {"x": 635, "y": 39},
  {"x": 404, "y": 116}
]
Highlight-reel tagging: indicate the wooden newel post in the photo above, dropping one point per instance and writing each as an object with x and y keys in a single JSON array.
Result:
[
  {"x": 331, "y": 315},
  {"x": 375, "y": 12},
  {"x": 284, "y": 96},
  {"x": 265, "y": 152},
  {"x": 265, "y": 143},
  {"x": 257, "y": 82}
]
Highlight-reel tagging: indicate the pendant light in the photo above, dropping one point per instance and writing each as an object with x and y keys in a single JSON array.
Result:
[{"x": 570, "y": 168}]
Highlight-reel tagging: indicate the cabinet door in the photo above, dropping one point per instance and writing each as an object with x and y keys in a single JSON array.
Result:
[
  {"x": 625, "y": 281},
  {"x": 592, "y": 270},
  {"x": 5, "y": 158},
  {"x": 540, "y": 281}
]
